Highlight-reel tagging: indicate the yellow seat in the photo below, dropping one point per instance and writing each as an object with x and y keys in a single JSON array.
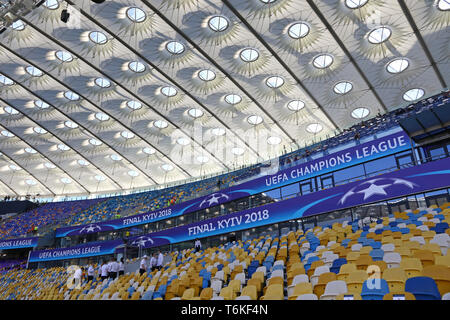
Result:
[
  {"x": 441, "y": 275},
  {"x": 235, "y": 285},
  {"x": 397, "y": 295},
  {"x": 250, "y": 291},
  {"x": 301, "y": 288},
  {"x": 443, "y": 260},
  {"x": 206, "y": 294},
  {"x": 412, "y": 267},
  {"x": 188, "y": 294},
  {"x": 324, "y": 278},
  {"x": 345, "y": 270},
  {"x": 425, "y": 256},
  {"x": 227, "y": 293},
  {"x": 396, "y": 278},
  {"x": 355, "y": 281},
  {"x": 274, "y": 292}
]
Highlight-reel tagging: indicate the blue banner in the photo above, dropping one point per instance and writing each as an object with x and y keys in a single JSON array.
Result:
[
  {"x": 382, "y": 147},
  {"x": 426, "y": 177},
  {"x": 18, "y": 243},
  {"x": 82, "y": 251}
]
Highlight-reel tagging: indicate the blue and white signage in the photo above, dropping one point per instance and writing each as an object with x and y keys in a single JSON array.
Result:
[{"x": 18, "y": 243}]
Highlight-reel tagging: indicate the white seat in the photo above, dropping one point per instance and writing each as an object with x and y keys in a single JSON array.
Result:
[
  {"x": 446, "y": 296},
  {"x": 243, "y": 298},
  {"x": 319, "y": 270},
  {"x": 176, "y": 298},
  {"x": 388, "y": 247},
  {"x": 262, "y": 269},
  {"x": 423, "y": 219},
  {"x": 356, "y": 247},
  {"x": 308, "y": 296},
  {"x": 309, "y": 255},
  {"x": 300, "y": 278},
  {"x": 443, "y": 241},
  {"x": 241, "y": 278},
  {"x": 216, "y": 285},
  {"x": 329, "y": 259},
  {"x": 330, "y": 243},
  {"x": 435, "y": 220},
  {"x": 220, "y": 275},
  {"x": 278, "y": 262},
  {"x": 418, "y": 239},
  {"x": 392, "y": 259},
  {"x": 423, "y": 228},
  {"x": 115, "y": 296},
  {"x": 217, "y": 298},
  {"x": 320, "y": 248},
  {"x": 401, "y": 225},
  {"x": 333, "y": 289}
]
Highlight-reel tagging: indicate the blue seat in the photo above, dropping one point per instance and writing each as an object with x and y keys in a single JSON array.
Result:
[
  {"x": 404, "y": 230},
  {"x": 423, "y": 288},
  {"x": 336, "y": 266},
  {"x": 379, "y": 231},
  {"x": 375, "y": 244},
  {"x": 374, "y": 289},
  {"x": 441, "y": 227},
  {"x": 377, "y": 254}
]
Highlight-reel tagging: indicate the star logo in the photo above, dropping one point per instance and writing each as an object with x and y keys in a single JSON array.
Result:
[
  {"x": 90, "y": 228},
  {"x": 142, "y": 241},
  {"x": 214, "y": 199},
  {"x": 375, "y": 188}
]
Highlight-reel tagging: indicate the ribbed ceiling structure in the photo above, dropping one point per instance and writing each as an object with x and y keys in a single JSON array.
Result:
[{"x": 133, "y": 94}]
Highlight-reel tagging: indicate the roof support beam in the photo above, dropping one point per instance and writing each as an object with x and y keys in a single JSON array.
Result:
[
  {"x": 55, "y": 162},
  {"x": 422, "y": 41},
  {"x": 347, "y": 53},
  {"x": 218, "y": 66},
  {"x": 280, "y": 61},
  {"x": 186, "y": 92},
  {"x": 123, "y": 87}
]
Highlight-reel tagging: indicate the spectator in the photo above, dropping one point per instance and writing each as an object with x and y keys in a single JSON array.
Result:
[
  {"x": 159, "y": 263},
  {"x": 153, "y": 262},
  {"x": 77, "y": 277},
  {"x": 198, "y": 245},
  {"x": 121, "y": 267},
  {"x": 114, "y": 269},
  {"x": 90, "y": 272},
  {"x": 104, "y": 271},
  {"x": 143, "y": 265}
]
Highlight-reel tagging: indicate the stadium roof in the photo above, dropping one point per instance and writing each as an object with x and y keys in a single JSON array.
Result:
[{"x": 133, "y": 94}]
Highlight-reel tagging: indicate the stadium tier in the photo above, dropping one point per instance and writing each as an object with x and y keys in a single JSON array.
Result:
[{"x": 226, "y": 150}]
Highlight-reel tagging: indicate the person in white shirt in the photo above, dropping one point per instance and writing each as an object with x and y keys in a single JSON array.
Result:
[
  {"x": 77, "y": 277},
  {"x": 114, "y": 268},
  {"x": 104, "y": 271},
  {"x": 153, "y": 262},
  {"x": 198, "y": 245},
  {"x": 109, "y": 268},
  {"x": 159, "y": 263},
  {"x": 121, "y": 267},
  {"x": 143, "y": 266},
  {"x": 90, "y": 273}
]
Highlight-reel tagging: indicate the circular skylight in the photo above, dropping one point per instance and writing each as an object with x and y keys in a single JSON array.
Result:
[
  {"x": 274, "y": 82},
  {"x": 98, "y": 37},
  {"x": 360, "y": 113},
  {"x": 249, "y": 55},
  {"x": 355, "y": 4},
  {"x": 296, "y": 105},
  {"x": 64, "y": 56},
  {"x": 70, "y": 124},
  {"x": 413, "y": 94},
  {"x": 136, "y": 15},
  {"x": 127, "y": 134},
  {"x": 115, "y": 157},
  {"x": 83, "y": 163},
  {"x": 95, "y": 142},
  {"x": 14, "y": 167},
  {"x": 397, "y": 65},
  {"x": 444, "y": 5},
  {"x": 183, "y": 141},
  {"x": 323, "y": 61},
  {"x": 133, "y": 173},
  {"x": 254, "y": 120},
  {"x": 218, "y": 23},
  {"x": 41, "y": 104},
  {"x": 314, "y": 128},
  {"x": 168, "y": 91},
  {"x": 202, "y": 159},
  {"x": 148, "y": 150},
  {"x": 18, "y": 25},
  {"x": 233, "y": 99},
  {"x": 35, "y": 72},
  {"x": 218, "y": 131},
  {"x": 342, "y": 87},
  {"x": 195, "y": 113},
  {"x": 30, "y": 150},
  {"x": 70, "y": 95},
  {"x": 7, "y": 134},
  {"x": 99, "y": 178},
  {"x": 49, "y": 165},
  {"x": 136, "y": 66},
  {"x": 134, "y": 105},
  {"x": 51, "y": 4},
  {"x": 30, "y": 182},
  {"x": 298, "y": 30},
  {"x": 167, "y": 167},
  {"x": 160, "y": 124},
  {"x": 206, "y": 75},
  {"x": 379, "y": 35},
  {"x": 102, "y": 82},
  {"x": 39, "y": 130},
  {"x": 10, "y": 110},
  {"x": 274, "y": 140},
  {"x": 5, "y": 80},
  {"x": 63, "y": 147},
  {"x": 175, "y": 47},
  {"x": 66, "y": 180},
  {"x": 237, "y": 151},
  {"x": 101, "y": 116}
]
